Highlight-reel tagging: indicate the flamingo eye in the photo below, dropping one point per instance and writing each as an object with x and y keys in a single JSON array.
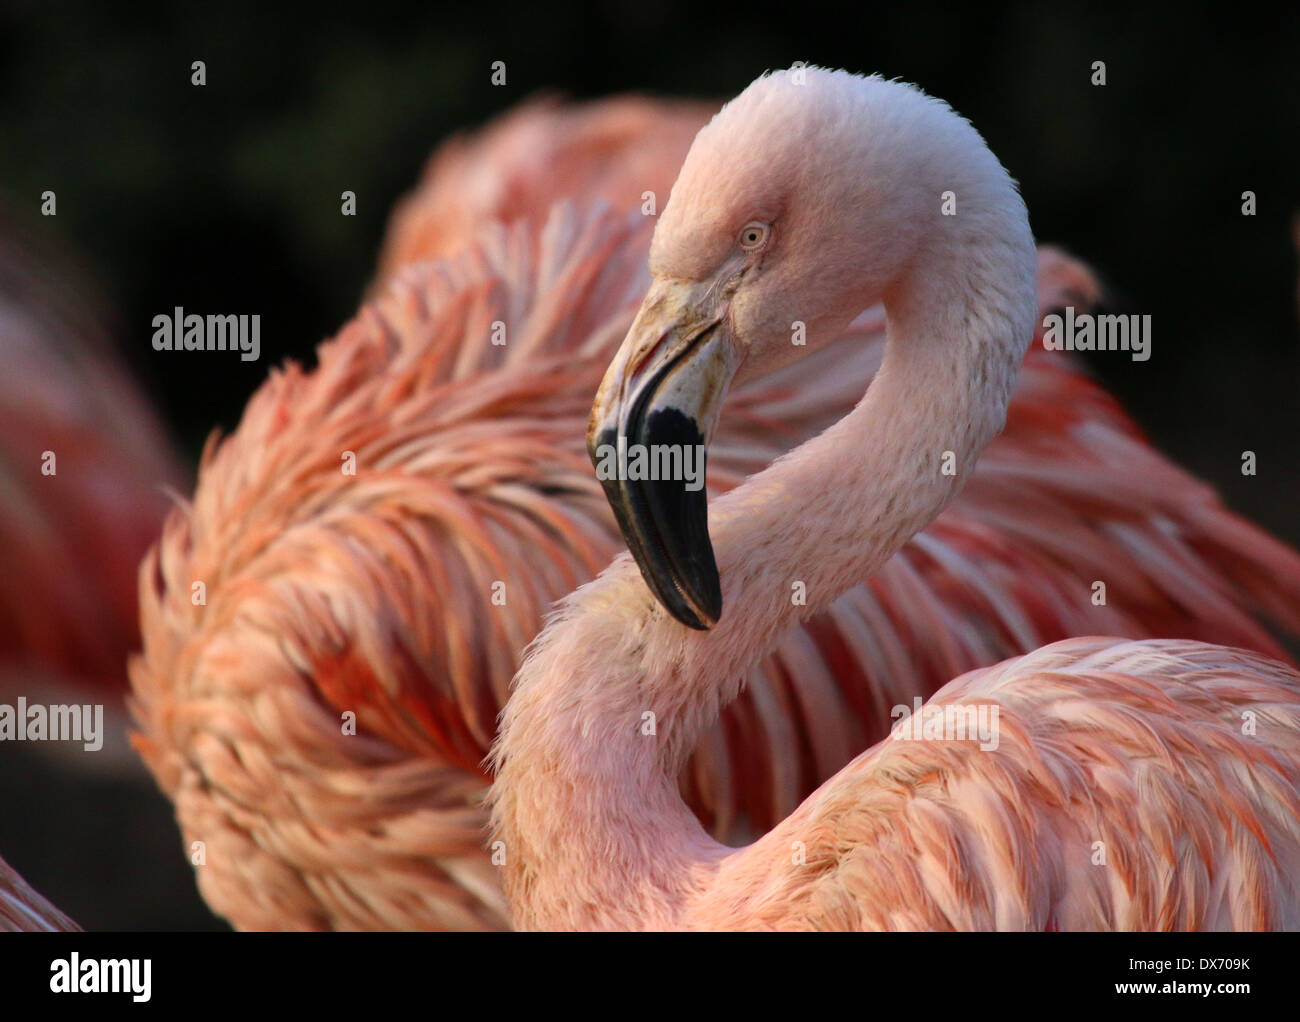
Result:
[{"x": 754, "y": 235}]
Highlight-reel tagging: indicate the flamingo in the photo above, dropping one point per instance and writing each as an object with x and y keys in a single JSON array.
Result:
[
  {"x": 83, "y": 466},
  {"x": 83, "y": 463},
  {"x": 329, "y": 593},
  {"x": 1130, "y": 784}
]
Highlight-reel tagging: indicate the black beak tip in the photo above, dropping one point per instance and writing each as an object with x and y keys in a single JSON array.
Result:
[
  {"x": 690, "y": 613},
  {"x": 708, "y": 613}
]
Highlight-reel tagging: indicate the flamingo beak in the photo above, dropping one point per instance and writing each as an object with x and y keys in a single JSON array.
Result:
[{"x": 648, "y": 435}]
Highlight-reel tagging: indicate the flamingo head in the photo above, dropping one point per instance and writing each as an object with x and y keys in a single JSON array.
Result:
[{"x": 799, "y": 205}]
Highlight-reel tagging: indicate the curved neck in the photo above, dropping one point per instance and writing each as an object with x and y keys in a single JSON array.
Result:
[
  {"x": 829, "y": 514},
  {"x": 586, "y": 801}
]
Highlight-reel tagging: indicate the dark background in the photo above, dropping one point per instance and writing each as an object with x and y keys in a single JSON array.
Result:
[{"x": 227, "y": 197}]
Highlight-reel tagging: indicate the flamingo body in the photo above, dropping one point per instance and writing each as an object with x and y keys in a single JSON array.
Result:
[{"x": 1078, "y": 821}]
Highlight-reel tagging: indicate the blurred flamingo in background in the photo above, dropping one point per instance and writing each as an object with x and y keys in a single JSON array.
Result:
[
  {"x": 613, "y": 151},
  {"x": 84, "y": 464},
  {"x": 380, "y": 593}
]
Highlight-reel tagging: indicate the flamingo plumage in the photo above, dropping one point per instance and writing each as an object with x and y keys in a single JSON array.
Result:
[
  {"x": 1129, "y": 784},
  {"x": 623, "y": 151},
  {"x": 329, "y": 592}
]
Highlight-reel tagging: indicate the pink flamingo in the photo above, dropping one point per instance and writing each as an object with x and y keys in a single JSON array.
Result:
[
  {"x": 84, "y": 464},
  {"x": 1126, "y": 784},
  {"x": 372, "y": 593}
]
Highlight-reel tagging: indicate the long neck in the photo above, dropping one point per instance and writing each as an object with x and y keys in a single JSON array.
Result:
[{"x": 586, "y": 802}]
